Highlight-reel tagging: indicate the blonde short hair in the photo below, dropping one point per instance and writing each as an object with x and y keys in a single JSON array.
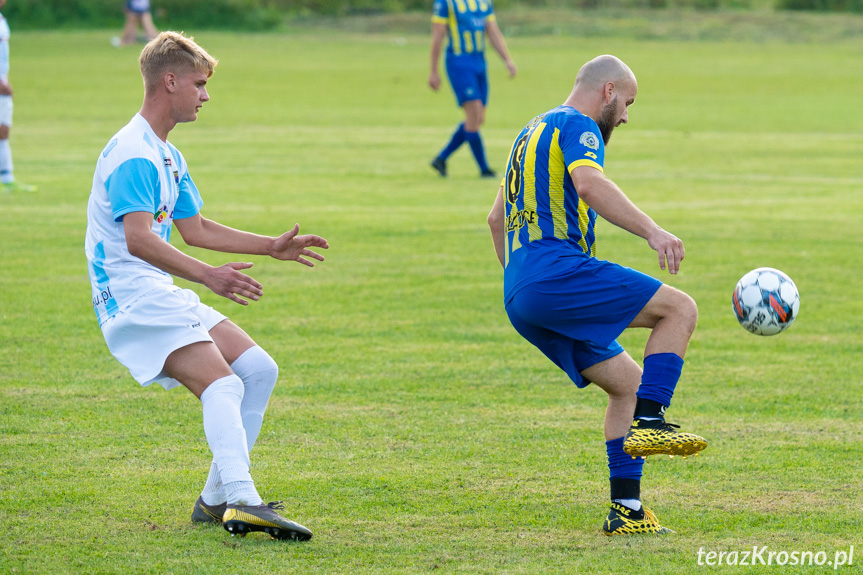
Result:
[{"x": 173, "y": 50}]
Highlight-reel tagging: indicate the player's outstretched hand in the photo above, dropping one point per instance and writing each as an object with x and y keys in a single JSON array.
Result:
[
  {"x": 290, "y": 246},
  {"x": 228, "y": 281},
  {"x": 669, "y": 248}
]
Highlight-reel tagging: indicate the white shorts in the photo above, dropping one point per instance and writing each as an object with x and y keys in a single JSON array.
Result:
[
  {"x": 143, "y": 335},
  {"x": 5, "y": 110}
]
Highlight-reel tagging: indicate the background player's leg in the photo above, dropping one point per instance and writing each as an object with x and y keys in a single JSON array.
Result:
[
  {"x": 130, "y": 29},
  {"x": 7, "y": 169},
  {"x": 7, "y": 175},
  {"x": 474, "y": 118},
  {"x": 455, "y": 142},
  {"x": 147, "y": 24}
]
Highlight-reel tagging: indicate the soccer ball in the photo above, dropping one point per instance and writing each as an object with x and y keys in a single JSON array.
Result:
[{"x": 765, "y": 301}]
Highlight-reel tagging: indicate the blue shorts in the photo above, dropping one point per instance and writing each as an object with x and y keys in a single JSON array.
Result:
[
  {"x": 468, "y": 79},
  {"x": 138, "y": 6},
  {"x": 575, "y": 317}
]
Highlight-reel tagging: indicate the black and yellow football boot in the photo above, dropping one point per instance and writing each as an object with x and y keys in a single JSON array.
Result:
[
  {"x": 625, "y": 521},
  {"x": 242, "y": 519},
  {"x": 203, "y": 513},
  {"x": 657, "y": 437}
]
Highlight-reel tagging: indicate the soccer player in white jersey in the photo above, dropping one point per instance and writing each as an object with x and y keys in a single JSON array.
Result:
[
  {"x": 7, "y": 174},
  {"x": 160, "y": 332}
]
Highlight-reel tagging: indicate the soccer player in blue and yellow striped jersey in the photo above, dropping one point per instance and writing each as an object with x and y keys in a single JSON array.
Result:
[
  {"x": 466, "y": 23},
  {"x": 572, "y": 305}
]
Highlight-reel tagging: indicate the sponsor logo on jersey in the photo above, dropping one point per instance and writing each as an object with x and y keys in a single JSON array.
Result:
[
  {"x": 589, "y": 140},
  {"x": 161, "y": 214},
  {"x": 103, "y": 297},
  {"x": 167, "y": 161},
  {"x": 518, "y": 219}
]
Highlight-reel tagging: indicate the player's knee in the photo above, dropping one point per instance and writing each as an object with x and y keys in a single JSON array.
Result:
[
  {"x": 624, "y": 390},
  {"x": 269, "y": 370},
  {"x": 4, "y": 132},
  {"x": 258, "y": 368},
  {"x": 688, "y": 310}
]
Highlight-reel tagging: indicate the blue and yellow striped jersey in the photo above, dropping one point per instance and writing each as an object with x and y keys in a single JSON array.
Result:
[
  {"x": 465, "y": 23},
  {"x": 546, "y": 221}
]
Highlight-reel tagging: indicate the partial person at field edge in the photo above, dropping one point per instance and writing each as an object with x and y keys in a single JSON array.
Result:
[
  {"x": 137, "y": 14},
  {"x": 160, "y": 332},
  {"x": 7, "y": 173},
  {"x": 466, "y": 24},
  {"x": 571, "y": 305}
]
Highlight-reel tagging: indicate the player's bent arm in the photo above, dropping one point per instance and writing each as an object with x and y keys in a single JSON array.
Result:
[
  {"x": 203, "y": 233},
  {"x": 495, "y": 37},
  {"x": 495, "y": 223},
  {"x": 609, "y": 201},
  {"x": 438, "y": 34},
  {"x": 200, "y": 232},
  {"x": 226, "y": 280}
]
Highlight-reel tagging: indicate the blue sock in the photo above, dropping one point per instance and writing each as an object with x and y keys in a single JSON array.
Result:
[
  {"x": 621, "y": 465},
  {"x": 661, "y": 373},
  {"x": 458, "y": 138},
  {"x": 475, "y": 141},
  {"x": 624, "y": 475}
]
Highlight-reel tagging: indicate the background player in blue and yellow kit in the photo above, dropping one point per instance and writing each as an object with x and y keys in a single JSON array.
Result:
[
  {"x": 573, "y": 306},
  {"x": 466, "y": 23}
]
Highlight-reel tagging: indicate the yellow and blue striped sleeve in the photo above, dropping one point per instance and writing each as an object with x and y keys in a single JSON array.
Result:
[
  {"x": 583, "y": 162},
  {"x": 440, "y": 13}
]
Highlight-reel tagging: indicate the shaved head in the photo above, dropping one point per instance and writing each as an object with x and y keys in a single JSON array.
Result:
[
  {"x": 602, "y": 69},
  {"x": 604, "y": 89}
]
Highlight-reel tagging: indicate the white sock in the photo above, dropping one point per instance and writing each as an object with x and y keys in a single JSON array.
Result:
[
  {"x": 6, "y": 169},
  {"x": 633, "y": 504},
  {"x": 223, "y": 427},
  {"x": 259, "y": 374}
]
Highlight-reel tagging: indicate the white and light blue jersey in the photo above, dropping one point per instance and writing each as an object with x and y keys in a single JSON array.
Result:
[
  {"x": 4, "y": 49},
  {"x": 136, "y": 172}
]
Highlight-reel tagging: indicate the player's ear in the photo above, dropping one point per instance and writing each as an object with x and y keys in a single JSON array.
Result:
[
  {"x": 608, "y": 92},
  {"x": 170, "y": 81}
]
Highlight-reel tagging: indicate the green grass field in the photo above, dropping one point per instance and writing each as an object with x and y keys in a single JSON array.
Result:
[{"x": 412, "y": 429}]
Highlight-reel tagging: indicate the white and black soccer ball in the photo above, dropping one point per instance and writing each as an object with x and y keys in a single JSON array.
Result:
[{"x": 765, "y": 301}]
